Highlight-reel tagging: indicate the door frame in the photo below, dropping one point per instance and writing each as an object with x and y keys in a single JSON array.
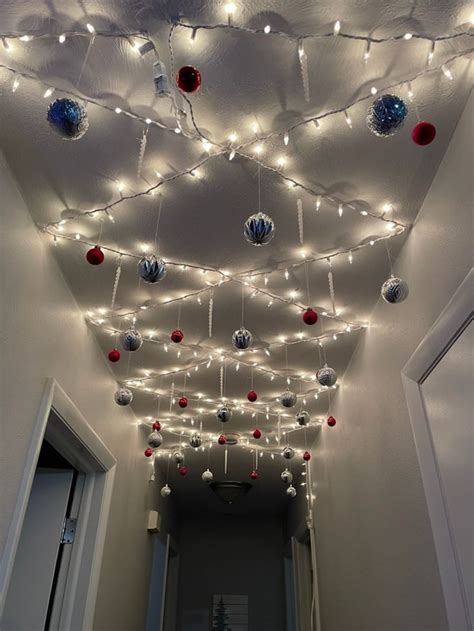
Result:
[
  {"x": 448, "y": 327},
  {"x": 61, "y": 423}
]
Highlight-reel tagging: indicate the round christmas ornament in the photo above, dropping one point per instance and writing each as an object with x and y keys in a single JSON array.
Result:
[
  {"x": 252, "y": 396},
  {"x": 68, "y": 118},
  {"x": 288, "y": 453},
  {"x": 288, "y": 399},
  {"x": 259, "y": 229},
  {"x": 154, "y": 440},
  {"x": 165, "y": 491},
  {"x": 310, "y": 316},
  {"x": 254, "y": 475},
  {"x": 131, "y": 340},
  {"x": 177, "y": 336},
  {"x": 151, "y": 268},
  {"x": 326, "y": 376},
  {"x": 178, "y": 456},
  {"x": 224, "y": 414},
  {"x": 222, "y": 440},
  {"x": 287, "y": 476},
  {"x": 331, "y": 421},
  {"x": 183, "y": 471},
  {"x": 123, "y": 396},
  {"x": 423, "y": 133},
  {"x": 195, "y": 440},
  {"x": 242, "y": 339},
  {"x": 183, "y": 402},
  {"x": 386, "y": 115},
  {"x": 114, "y": 355},
  {"x": 302, "y": 418},
  {"x": 156, "y": 425},
  {"x": 306, "y": 456},
  {"x": 148, "y": 452},
  {"x": 291, "y": 491},
  {"x": 95, "y": 256},
  {"x": 188, "y": 79},
  {"x": 394, "y": 290},
  {"x": 257, "y": 434},
  {"x": 207, "y": 476}
]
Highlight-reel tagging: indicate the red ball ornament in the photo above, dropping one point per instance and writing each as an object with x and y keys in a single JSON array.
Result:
[
  {"x": 183, "y": 402},
  {"x": 254, "y": 475},
  {"x": 177, "y": 336},
  {"x": 222, "y": 440},
  {"x": 156, "y": 426},
  {"x": 306, "y": 456},
  {"x": 183, "y": 471},
  {"x": 310, "y": 316},
  {"x": 423, "y": 133},
  {"x": 331, "y": 421},
  {"x": 252, "y": 396},
  {"x": 114, "y": 355},
  {"x": 257, "y": 434},
  {"x": 95, "y": 256},
  {"x": 148, "y": 452},
  {"x": 188, "y": 79}
]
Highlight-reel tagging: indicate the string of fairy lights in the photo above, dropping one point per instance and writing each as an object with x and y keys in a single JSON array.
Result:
[{"x": 253, "y": 150}]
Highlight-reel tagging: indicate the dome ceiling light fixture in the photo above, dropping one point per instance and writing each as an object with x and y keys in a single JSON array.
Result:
[{"x": 229, "y": 491}]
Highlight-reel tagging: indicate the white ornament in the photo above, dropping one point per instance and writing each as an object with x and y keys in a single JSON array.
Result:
[
  {"x": 131, "y": 340},
  {"x": 291, "y": 491},
  {"x": 207, "y": 476},
  {"x": 178, "y": 456},
  {"x": 288, "y": 453},
  {"x": 154, "y": 440},
  {"x": 288, "y": 399},
  {"x": 195, "y": 440},
  {"x": 302, "y": 418},
  {"x": 287, "y": 476},
  {"x": 123, "y": 396},
  {"x": 326, "y": 376},
  {"x": 165, "y": 491},
  {"x": 394, "y": 290},
  {"x": 242, "y": 339},
  {"x": 224, "y": 414}
]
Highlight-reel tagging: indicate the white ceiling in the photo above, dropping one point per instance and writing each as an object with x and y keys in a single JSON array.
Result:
[{"x": 247, "y": 79}]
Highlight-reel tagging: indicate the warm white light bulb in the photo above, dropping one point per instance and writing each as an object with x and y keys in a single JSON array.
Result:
[
  {"x": 177, "y": 130},
  {"x": 267, "y": 29},
  {"x": 230, "y": 8},
  {"x": 408, "y": 36},
  {"x": 447, "y": 72},
  {"x": 16, "y": 83},
  {"x": 348, "y": 119},
  {"x": 25, "y": 38},
  {"x": 90, "y": 28},
  {"x": 62, "y": 38},
  {"x": 281, "y": 161},
  {"x": 340, "y": 210},
  {"x": 337, "y": 27},
  {"x": 286, "y": 138},
  {"x": 206, "y": 144},
  {"x": 373, "y": 90},
  {"x": 48, "y": 93},
  {"x": 258, "y": 149},
  {"x": 233, "y": 137},
  {"x": 118, "y": 110}
]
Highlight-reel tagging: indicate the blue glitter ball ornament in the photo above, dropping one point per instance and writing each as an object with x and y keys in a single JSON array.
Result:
[
  {"x": 242, "y": 339},
  {"x": 68, "y": 118},
  {"x": 131, "y": 340},
  {"x": 151, "y": 268},
  {"x": 386, "y": 115},
  {"x": 259, "y": 229},
  {"x": 394, "y": 290}
]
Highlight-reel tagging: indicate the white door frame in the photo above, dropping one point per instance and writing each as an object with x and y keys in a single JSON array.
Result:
[
  {"x": 62, "y": 424},
  {"x": 447, "y": 328}
]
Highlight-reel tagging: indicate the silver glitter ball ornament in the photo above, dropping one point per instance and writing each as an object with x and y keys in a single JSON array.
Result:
[
  {"x": 288, "y": 453},
  {"x": 131, "y": 340},
  {"x": 242, "y": 339},
  {"x": 151, "y": 268},
  {"x": 394, "y": 290},
  {"x": 123, "y": 396},
  {"x": 287, "y": 476},
  {"x": 195, "y": 440},
  {"x": 288, "y": 399},
  {"x": 291, "y": 491},
  {"x": 326, "y": 376},
  {"x": 302, "y": 418},
  {"x": 207, "y": 476},
  {"x": 154, "y": 440},
  {"x": 165, "y": 491},
  {"x": 178, "y": 457},
  {"x": 224, "y": 414},
  {"x": 259, "y": 229}
]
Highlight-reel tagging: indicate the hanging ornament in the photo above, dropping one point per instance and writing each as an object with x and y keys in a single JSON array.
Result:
[
  {"x": 257, "y": 434},
  {"x": 394, "y": 290},
  {"x": 386, "y": 115},
  {"x": 178, "y": 456},
  {"x": 310, "y": 316},
  {"x": 131, "y": 340},
  {"x": 183, "y": 402},
  {"x": 160, "y": 79},
  {"x": 254, "y": 475},
  {"x": 291, "y": 491},
  {"x": 242, "y": 339},
  {"x": 286, "y": 476},
  {"x": 222, "y": 440},
  {"x": 326, "y": 376},
  {"x": 177, "y": 336},
  {"x": 207, "y": 476},
  {"x": 123, "y": 396},
  {"x": 148, "y": 452},
  {"x": 188, "y": 79},
  {"x": 252, "y": 396},
  {"x": 195, "y": 440},
  {"x": 95, "y": 256},
  {"x": 114, "y": 355},
  {"x": 165, "y": 491},
  {"x": 302, "y": 418},
  {"x": 154, "y": 440},
  {"x": 331, "y": 421},
  {"x": 288, "y": 453},
  {"x": 68, "y": 118},
  {"x": 423, "y": 133},
  {"x": 306, "y": 456},
  {"x": 259, "y": 229},
  {"x": 224, "y": 414},
  {"x": 288, "y": 399},
  {"x": 183, "y": 471},
  {"x": 156, "y": 425},
  {"x": 151, "y": 268}
]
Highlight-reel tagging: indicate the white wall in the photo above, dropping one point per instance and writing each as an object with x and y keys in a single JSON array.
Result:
[
  {"x": 377, "y": 563},
  {"x": 43, "y": 334}
]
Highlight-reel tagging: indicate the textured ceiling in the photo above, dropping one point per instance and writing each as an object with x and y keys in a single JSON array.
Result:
[{"x": 248, "y": 80}]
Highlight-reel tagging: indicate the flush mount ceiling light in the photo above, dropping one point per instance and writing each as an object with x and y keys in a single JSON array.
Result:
[{"x": 229, "y": 491}]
